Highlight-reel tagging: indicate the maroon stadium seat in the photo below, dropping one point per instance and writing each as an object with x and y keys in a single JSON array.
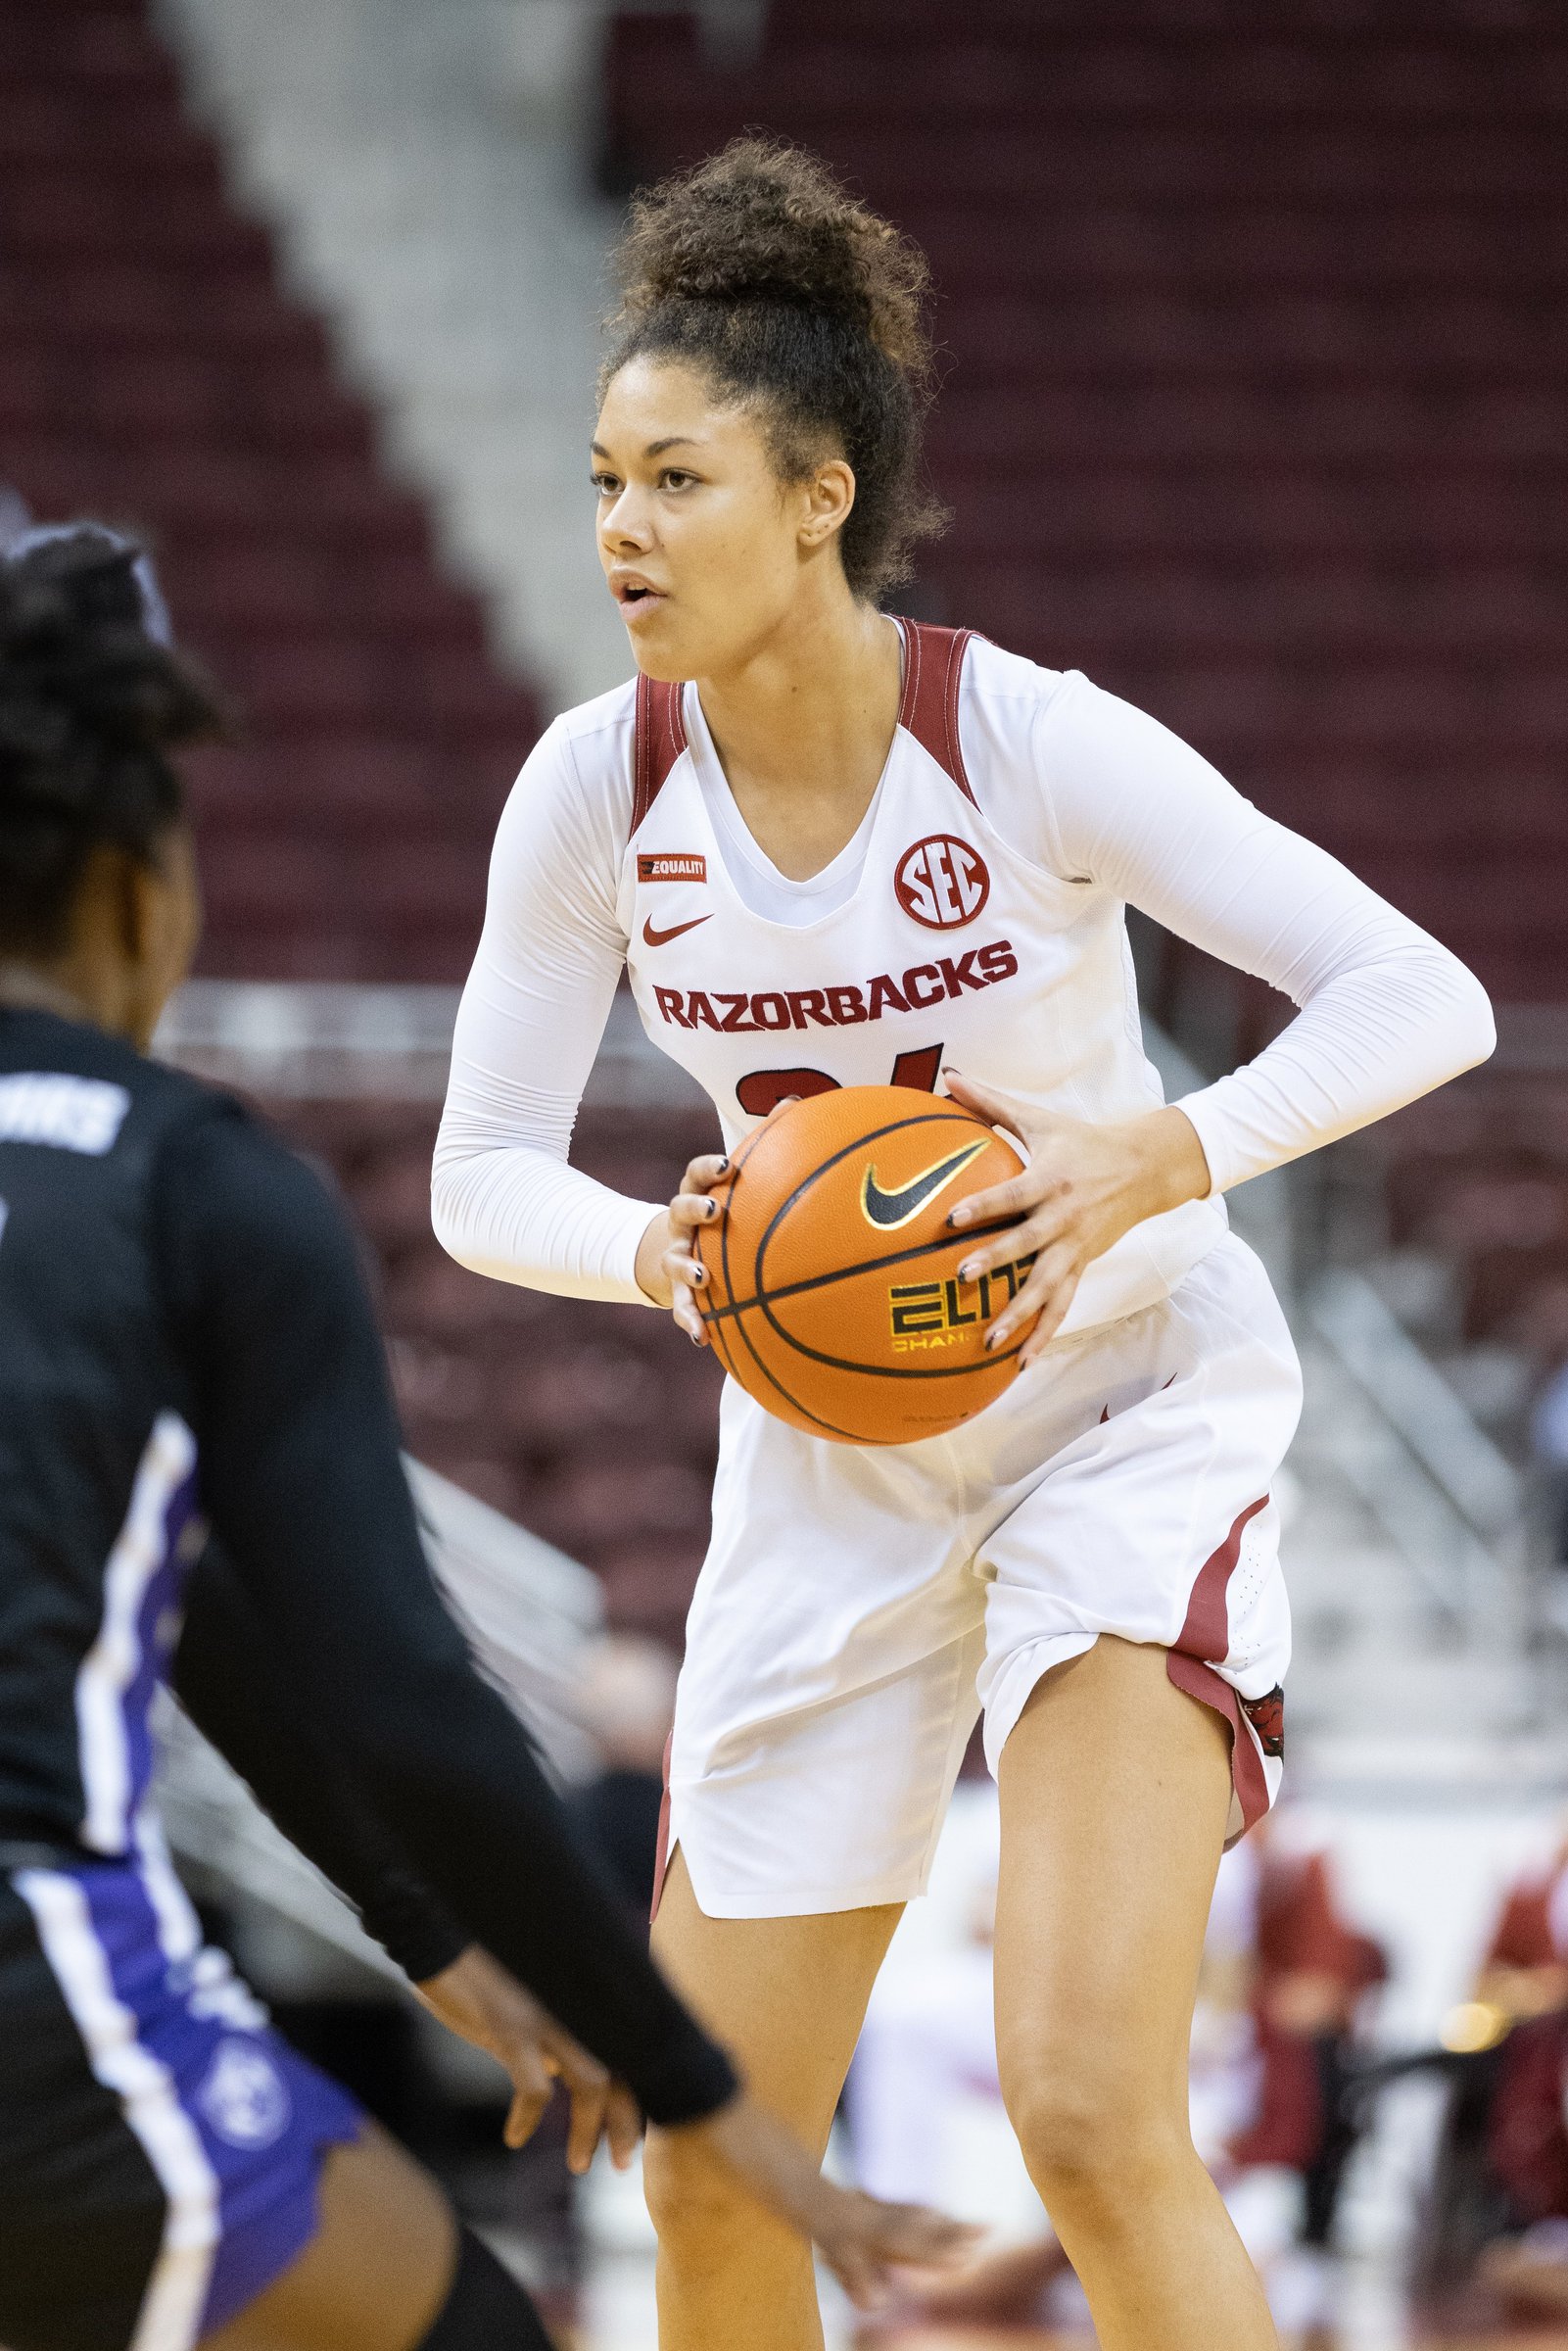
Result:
[
  {"x": 152, "y": 372},
  {"x": 1255, "y": 399}
]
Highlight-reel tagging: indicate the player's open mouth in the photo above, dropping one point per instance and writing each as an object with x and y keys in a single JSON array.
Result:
[{"x": 635, "y": 595}]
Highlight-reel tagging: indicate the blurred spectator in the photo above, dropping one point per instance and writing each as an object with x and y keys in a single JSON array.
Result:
[
  {"x": 1313, "y": 1971},
  {"x": 626, "y": 1703},
  {"x": 1497, "y": 2208},
  {"x": 1280, "y": 2008},
  {"x": 1524, "y": 2260},
  {"x": 1525, "y": 1971},
  {"x": 1501, "y": 2185},
  {"x": 1312, "y": 1974}
]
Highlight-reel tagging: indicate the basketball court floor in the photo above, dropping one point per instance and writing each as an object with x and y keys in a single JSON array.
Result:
[{"x": 618, "y": 2317}]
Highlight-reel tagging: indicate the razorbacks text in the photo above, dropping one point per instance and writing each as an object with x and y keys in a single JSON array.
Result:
[{"x": 914, "y": 990}]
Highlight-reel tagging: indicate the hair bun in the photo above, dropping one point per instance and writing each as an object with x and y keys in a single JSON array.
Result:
[
  {"x": 80, "y": 675},
  {"x": 763, "y": 222}
]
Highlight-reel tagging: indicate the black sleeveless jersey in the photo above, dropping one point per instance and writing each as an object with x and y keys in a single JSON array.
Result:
[{"x": 99, "y": 1523}]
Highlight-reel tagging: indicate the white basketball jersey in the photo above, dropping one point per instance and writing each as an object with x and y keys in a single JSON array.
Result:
[{"x": 953, "y": 949}]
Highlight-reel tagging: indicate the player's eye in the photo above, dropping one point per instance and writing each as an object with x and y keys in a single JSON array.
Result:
[
  {"x": 605, "y": 484},
  {"x": 672, "y": 478}
]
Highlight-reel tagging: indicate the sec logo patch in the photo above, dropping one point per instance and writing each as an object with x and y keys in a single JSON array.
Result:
[{"x": 943, "y": 883}]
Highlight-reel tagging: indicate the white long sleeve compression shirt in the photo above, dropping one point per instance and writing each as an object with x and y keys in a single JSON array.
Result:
[{"x": 1076, "y": 796}]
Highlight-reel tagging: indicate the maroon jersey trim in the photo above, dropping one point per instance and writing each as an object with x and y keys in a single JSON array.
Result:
[
  {"x": 933, "y": 669},
  {"x": 661, "y": 741}
]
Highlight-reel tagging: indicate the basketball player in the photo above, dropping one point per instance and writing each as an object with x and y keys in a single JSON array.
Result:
[
  {"x": 832, "y": 848},
  {"x": 185, "y": 1344}
]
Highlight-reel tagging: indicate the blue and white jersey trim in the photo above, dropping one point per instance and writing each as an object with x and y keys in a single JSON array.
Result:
[
  {"x": 170, "y": 2316},
  {"x": 162, "y": 1535}
]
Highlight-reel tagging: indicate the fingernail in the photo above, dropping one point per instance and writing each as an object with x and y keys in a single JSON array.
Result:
[
  {"x": 700, "y": 1273},
  {"x": 724, "y": 1166},
  {"x": 710, "y": 1209},
  {"x": 694, "y": 1338},
  {"x": 995, "y": 1336},
  {"x": 958, "y": 1216},
  {"x": 969, "y": 1270}
]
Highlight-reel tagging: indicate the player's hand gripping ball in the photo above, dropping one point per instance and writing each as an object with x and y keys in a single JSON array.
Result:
[{"x": 833, "y": 1293}]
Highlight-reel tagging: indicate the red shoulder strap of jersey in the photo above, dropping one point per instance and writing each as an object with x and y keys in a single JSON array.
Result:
[
  {"x": 934, "y": 665},
  {"x": 661, "y": 741}
]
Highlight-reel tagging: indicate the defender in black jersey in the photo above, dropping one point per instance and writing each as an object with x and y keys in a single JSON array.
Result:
[{"x": 200, "y": 1481}]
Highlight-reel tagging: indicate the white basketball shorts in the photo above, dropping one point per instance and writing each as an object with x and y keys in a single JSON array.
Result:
[{"x": 859, "y": 1606}]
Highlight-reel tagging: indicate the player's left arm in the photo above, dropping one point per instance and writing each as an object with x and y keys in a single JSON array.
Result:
[
  {"x": 1385, "y": 1011},
  {"x": 303, "y": 1482},
  {"x": 231, "y": 1678}
]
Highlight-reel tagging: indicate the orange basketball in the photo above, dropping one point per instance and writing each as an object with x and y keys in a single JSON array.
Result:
[{"x": 833, "y": 1292}]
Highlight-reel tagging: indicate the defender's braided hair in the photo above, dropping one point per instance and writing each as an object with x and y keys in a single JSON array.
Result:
[
  {"x": 760, "y": 269},
  {"x": 89, "y": 704}
]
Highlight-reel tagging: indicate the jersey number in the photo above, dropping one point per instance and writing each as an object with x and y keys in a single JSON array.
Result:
[{"x": 762, "y": 1090}]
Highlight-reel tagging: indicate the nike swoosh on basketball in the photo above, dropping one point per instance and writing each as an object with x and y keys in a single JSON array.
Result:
[
  {"x": 888, "y": 1210},
  {"x": 662, "y": 938}
]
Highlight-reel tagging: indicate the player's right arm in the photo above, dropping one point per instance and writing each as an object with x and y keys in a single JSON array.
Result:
[{"x": 503, "y": 1199}]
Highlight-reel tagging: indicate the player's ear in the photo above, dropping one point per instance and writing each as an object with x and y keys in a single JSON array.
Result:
[
  {"x": 829, "y": 493},
  {"x": 134, "y": 888}
]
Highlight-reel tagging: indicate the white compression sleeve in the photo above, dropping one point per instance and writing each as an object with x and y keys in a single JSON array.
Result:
[
  {"x": 1386, "y": 1013},
  {"x": 504, "y": 1202}
]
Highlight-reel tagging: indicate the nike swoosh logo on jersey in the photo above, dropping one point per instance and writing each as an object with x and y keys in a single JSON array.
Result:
[
  {"x": 888, "y": 1210},
  {"x": 661, "y": 939}
]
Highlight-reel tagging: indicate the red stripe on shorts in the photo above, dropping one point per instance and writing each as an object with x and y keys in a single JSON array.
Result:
[
  {"x": 1206, "y": 1631},
  {"x": 1203, "y": 1642},
  {"x": 662, "y": 1863},
  {"x": 1211, "y": 1689}
]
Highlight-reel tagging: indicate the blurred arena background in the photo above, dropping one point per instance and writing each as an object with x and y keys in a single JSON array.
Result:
[{"x": 1254, "y": 408}]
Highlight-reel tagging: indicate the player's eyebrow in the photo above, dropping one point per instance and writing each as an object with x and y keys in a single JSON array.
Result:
[{"x": 654, "y": 448}]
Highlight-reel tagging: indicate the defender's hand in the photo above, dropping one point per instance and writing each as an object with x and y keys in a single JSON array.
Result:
[
  {"x": 1085, "y": 1185},
  {"x": 861, "y": 2239},
  {"x": 479, "y": 2000}
]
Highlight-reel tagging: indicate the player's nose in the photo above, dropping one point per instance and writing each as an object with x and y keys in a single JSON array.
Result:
[{"x": 624, "y": 523}]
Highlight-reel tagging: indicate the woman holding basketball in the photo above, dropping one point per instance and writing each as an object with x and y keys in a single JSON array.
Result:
[{"x": 836, "y": 850}]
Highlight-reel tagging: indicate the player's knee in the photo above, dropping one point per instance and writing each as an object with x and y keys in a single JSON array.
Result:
[
  {"x": 1092, "y": 2131},
  {"x": 693, "y": 2206}
]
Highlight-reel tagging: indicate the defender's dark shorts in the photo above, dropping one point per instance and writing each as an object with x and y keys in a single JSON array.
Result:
[{"x": 160, "y": 2145}]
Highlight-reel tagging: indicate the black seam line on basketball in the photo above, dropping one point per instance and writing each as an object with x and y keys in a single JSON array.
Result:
[
  {"x": 837, "y": 1362},
  {"x": 926, "y": 1118},
  {"x": 870, "y": 1265},
  {"x": 772, "y": 1378},
  {"x": 829, "y": 1427}
]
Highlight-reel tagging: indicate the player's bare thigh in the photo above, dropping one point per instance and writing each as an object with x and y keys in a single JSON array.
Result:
[
  {"x": 377, "y": 2272},
  {"x": 786, "y": 1994}
]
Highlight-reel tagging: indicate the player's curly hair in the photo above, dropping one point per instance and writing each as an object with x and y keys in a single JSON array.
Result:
[
  {"x": 90, "y": 702},
  {"x": 761, "y": 269}
]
